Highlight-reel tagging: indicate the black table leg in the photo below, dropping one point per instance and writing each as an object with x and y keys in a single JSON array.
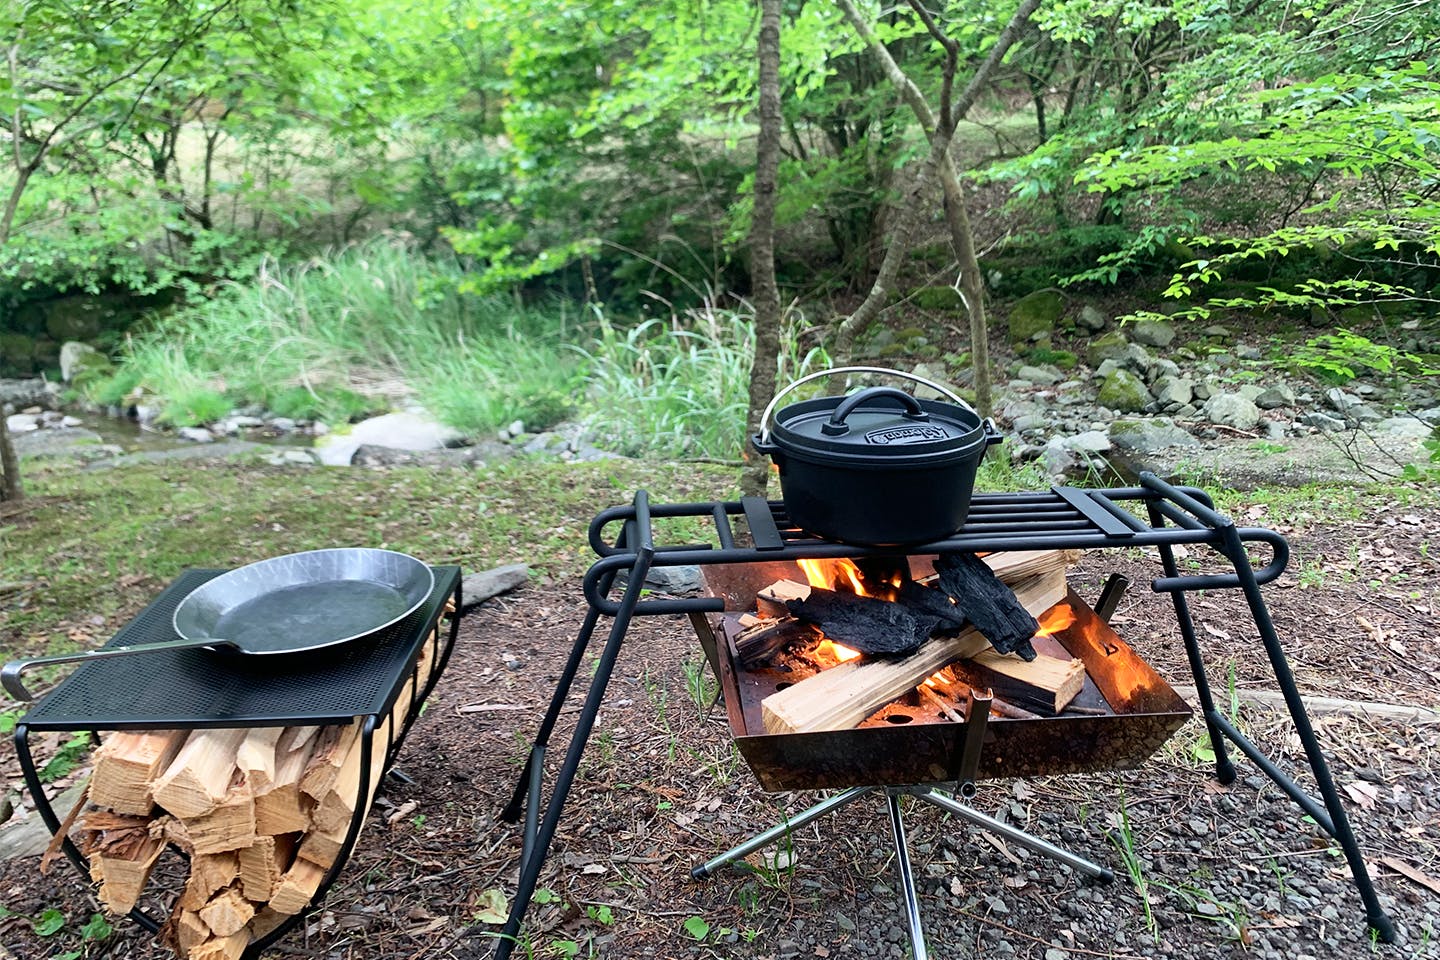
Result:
[
  {"x": 537, "y": 844},
  {"x": 1339, "y": 826}
]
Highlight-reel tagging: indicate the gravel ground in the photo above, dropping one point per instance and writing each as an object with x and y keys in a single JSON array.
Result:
[{"x": 1203, "y": 870}]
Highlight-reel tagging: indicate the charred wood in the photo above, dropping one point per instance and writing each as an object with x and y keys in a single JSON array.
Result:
[{"x": 987, "y": 603}]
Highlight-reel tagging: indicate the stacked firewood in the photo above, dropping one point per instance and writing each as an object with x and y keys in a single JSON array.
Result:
[{"x": 260, "y": 813}]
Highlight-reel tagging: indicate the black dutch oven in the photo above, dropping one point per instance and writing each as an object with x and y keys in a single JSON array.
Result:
[{"x": 878, "y": 467}]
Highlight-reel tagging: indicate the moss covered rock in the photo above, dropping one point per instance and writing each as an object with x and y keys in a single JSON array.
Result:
[
  {"x": 1035, "y": 314},
  {"x": 1125, "y": 392},
  {"x": 75, "y": 318},
  {"x": 17, "y": 355},
  {"x": 938, "y": 298},
  {"x": 1107, "y": 346}
]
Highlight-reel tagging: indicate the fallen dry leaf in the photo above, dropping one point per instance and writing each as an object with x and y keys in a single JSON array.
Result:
[{"x": 491, "y": 906}]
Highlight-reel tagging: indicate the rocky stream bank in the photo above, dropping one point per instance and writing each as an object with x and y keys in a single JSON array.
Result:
[{"x": 1214, "y": 405}]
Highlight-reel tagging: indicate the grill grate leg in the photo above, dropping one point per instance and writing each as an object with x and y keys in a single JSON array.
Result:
[{"x": 907, "y": 878}]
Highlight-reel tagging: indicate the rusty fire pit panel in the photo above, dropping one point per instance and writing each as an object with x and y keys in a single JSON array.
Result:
[{"x": 1134, "y": 712}]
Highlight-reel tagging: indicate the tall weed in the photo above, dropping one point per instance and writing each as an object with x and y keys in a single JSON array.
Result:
[{"x": 680, "y": 387}]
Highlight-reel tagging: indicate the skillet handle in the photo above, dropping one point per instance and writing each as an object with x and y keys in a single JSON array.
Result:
[
  {"x": 10, "y": 675},
  {"x": 941, "y": 389}
]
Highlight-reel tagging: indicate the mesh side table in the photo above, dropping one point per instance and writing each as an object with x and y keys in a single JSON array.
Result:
[{"x": 193, "y": 689}]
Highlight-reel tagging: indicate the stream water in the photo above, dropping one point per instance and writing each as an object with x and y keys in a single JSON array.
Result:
[{"x": 130, "y": 437}]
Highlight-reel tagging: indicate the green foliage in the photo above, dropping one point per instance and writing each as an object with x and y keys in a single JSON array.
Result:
[
  {"x": 332, "y": 404},
  {"x": 696, "y": 927},
  {"x": 66, "y": 759},
  {"x": 114, "y": 389},
  {"x": 338, "y": 337},
  {"x": 96, "y": 928},
  {"x": 1344, "y": 354},
  {"x": 680, "y": 388},
  {"x": 1063, "y": 359},
  {"x": 192, "y": 407}
]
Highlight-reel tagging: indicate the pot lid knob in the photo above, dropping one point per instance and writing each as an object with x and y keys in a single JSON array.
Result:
[{"x": 836, "y": 425}]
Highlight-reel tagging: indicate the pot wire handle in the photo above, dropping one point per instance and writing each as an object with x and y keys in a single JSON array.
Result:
[{"x": 938, "y": 388}]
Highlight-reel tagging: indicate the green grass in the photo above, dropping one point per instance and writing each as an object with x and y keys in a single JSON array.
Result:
[
  {"x": 680, "y": 387},
  {"x": 89, "y": 557},
  {"x": 356, "y": 333},
  {"x": 339, "y": 337}
]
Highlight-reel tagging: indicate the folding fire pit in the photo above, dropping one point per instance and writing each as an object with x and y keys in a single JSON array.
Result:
[
  {"x": 1123, "y": 714},
  {"x": 911, "y": 746}
]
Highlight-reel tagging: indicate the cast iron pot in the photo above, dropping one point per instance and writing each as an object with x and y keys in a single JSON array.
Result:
[{"x": 878, "y": 467}]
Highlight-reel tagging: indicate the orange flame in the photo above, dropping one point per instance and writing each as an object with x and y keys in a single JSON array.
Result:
[
  {"x": 829, "y": 573},
  {"x": 1057, "y": 618}
]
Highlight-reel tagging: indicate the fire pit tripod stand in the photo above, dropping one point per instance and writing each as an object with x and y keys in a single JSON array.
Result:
[{"x": 1063, "y": 518}]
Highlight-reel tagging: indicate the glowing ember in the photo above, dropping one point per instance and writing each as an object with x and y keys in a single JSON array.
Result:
[{"x": 839, "y": 651}]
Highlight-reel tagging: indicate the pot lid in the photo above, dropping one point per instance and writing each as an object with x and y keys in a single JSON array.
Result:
[{"x": 879, "y": 424}]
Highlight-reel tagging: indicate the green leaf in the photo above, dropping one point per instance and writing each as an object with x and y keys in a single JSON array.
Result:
[
  {"x": 697, "y": 927},
  {"x": 96, "y": 928},
  {"x": 49, "y": 923}
]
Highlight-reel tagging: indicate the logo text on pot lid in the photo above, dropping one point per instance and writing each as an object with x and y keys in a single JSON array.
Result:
[{"x": 906, "y": 433}]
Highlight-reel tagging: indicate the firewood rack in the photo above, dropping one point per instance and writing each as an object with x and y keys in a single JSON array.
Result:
[
  {"x": 1062, "y": 518},
  {"x": 194, "y": 689}
]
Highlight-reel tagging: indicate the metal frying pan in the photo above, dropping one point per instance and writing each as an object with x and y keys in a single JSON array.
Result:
[{"x": 289, "y": 604}]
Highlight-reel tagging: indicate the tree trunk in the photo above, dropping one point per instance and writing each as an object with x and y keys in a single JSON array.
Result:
[
  {"x": 12, "y": 203},
  {"x": 764, "y": 291},
  {"x": 972, "y": 284},
  {"x": 941, "y": 131},
  {"x": 9, "y": 464}
]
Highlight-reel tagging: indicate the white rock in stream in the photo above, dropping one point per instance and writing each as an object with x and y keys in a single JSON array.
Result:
[{"x": 399, "y": 431}]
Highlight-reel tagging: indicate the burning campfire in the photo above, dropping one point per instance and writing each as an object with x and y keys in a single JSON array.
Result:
[
  {"x": 923, "y": 645},
  {"x": 841, "y": 650}
]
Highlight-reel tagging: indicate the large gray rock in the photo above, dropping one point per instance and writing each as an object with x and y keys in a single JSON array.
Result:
[
  {"x": 398, "y": 431},
  {"x": 1056, "y": 459},
  {"x": 1045, "y": 376},
  {"x": 1109, "y": 346},
  {"x": 476, "y": 588},
  {"x": 1232, "y": 410},
  {"x": 1342, "y": 401},
  {"x": 1091, "y": 319},
  {"x": 1322, "y": 421},
  {"x": 1405, "y": 427},
  {"x": 1275, "y": 397},
  {"x": 75, "y": 356},
  {"x": 1153, "y": 333},
  {"x": 1089, "y": 442},
  {"x": 63, "y": 442},
  {"x": 1139, "y": 359},
  {"x": 1150, "y": 435},
  {"x": 1125, "y": 392},
  {"x": 195, "y": 434},
  {"x": 1171, "y": 393},
  {"x": 29, "y": 392}
]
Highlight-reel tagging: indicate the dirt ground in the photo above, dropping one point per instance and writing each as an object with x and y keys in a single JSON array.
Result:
[{"x": 1203, "y": 870}]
